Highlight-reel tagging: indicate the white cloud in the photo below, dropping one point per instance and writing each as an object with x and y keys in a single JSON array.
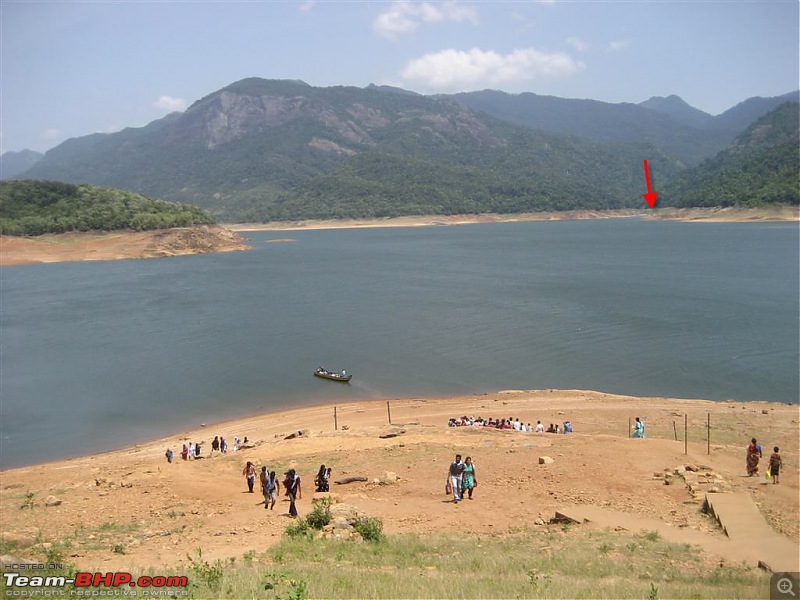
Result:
[
  {"x": 307, "y": 6},
  {"x": 547, "y": 2},
  {"x": 51, "y": 134},
  {"x": 404, "y": 16},
  {"x": 578, "y": 43},
  {"x": 170, "y": 104},
  {"x": 456, "y": 70},
  {"x": 618, "y": 45}
]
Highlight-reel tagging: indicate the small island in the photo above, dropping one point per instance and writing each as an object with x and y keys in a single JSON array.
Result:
[{"x": 52, "y": 221}]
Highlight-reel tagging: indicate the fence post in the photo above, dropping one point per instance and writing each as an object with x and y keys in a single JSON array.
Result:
[
  {"x": 389, "y": 411},
  {"x": 708, "y": 431},
  {"x": 685, "y": 433},
  {"x": 675, "y": 429},
  {"x": 335, "y": 420},
  {"x": 629, "y": 427}
]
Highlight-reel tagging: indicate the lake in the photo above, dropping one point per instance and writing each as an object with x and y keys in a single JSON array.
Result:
[{"x": 100, "y": 355}]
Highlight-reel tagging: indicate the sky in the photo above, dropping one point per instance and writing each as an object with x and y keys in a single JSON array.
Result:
[{"x": 69, "y": 69}]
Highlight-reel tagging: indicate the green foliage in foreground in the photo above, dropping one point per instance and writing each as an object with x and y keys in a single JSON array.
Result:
[
  {"x": 552, "y": 563},
  {"x": 556, "y": 562},
  {"x": 32, "y": 207}
]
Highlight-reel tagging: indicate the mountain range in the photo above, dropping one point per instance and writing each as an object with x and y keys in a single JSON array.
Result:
[{"x": 262, "y": 149}]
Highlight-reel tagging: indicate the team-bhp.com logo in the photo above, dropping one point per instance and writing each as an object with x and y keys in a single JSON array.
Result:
[{"x": 95, "y": 584}]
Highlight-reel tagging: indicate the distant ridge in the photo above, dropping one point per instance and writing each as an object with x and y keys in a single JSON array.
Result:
[{"x": 261, "y": 150}]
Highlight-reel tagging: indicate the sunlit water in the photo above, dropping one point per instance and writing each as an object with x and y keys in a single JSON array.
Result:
[{"x": 98, "y": 355}]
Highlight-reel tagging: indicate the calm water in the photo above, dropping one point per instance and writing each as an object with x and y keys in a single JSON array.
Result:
[{"x": 99, "y": 355}]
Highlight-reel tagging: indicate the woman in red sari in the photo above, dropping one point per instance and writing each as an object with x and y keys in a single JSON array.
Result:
[{"x": 753, "y": 456}]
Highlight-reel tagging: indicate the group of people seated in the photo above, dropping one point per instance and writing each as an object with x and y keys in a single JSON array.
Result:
[{"x": 510, "y": 423}]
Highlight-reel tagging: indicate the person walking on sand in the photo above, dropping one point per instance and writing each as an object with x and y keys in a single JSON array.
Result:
[
  {"x": 293, "y": 490},
  {"x": 223, "y": 445},
  {"x": 638, "y": 428},
  {"x": 321, "y": 480},
  {"x": 455, "y": 474},
  {"x": 264, "y": 480},
  {"x": 249, "y": 471},
  {"x": 754, "y": 454},
  {"x": 468, "y": 481},
  {"x": 273, "y": 488},
  {"x": 775, "y": 464},
  {"x": 168, "y": 454},
  {"x": 185, "y": 452}
]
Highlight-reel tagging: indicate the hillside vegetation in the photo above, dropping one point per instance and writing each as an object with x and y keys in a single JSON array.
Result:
[
  {"x": 760, "y": 167},
  {"x": 268, "y": 150},
  {"x": 261, "y": 150},
  {"x": 36, "y": 207}
]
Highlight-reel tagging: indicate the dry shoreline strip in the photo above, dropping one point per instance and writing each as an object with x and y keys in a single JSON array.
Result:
[
  {"x": 160, "y": 509},
  {"x": 119, "y": 245}
]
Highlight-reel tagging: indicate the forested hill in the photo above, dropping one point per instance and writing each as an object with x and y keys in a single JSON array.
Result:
[
  {"x": 36, "y": 207},
  {"x": 260, "y": 150},
  {"x": 760, "y": 167}
]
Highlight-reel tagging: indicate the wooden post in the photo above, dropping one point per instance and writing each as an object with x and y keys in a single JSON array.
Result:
[
  {"x": 629, "y": 427},
  {"x": 685, "y": 433},
  {"x": 675, "y": 429},
  {"x": 389, "y": 411},
  {"x": 335, "y": 420},
  {"x": 708, "y": 433}
]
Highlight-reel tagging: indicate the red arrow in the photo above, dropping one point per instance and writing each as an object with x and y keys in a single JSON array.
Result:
[{"x": 650, "y": 196}]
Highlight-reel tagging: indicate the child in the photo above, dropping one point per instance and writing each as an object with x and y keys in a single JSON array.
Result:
[{"x": 775, "y": 463}]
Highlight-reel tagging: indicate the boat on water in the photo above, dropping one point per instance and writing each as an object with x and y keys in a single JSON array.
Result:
[{"x": 333, "y": 375}]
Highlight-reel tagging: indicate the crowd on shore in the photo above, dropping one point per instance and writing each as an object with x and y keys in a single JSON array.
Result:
[{"x": 510, "y": 423}]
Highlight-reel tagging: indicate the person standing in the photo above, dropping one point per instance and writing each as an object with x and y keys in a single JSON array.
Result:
[
  {"x": 775, "y": 464},
  {"x": 468, "y": 480},
  {"x": 168, "y": 454},
  {"x": 754, "y": 454},
  {"x": 215, "y": 444},
  {"x": 638, "y": 428},
  {"x": 293, "y": 490},
  {"x": 249, "y": 471},
  {"x": 455, "y": 473},
  {"x": 223, "y": 445}
]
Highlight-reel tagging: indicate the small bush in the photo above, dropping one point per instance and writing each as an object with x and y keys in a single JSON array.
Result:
[
  {"x": 370, "y": 529},
  {"x": 321, "y": 515},
  {"x": 298, "y": 529}
]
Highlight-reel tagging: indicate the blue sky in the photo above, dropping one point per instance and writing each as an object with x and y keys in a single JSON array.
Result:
[{"x": 69, "y": 69}]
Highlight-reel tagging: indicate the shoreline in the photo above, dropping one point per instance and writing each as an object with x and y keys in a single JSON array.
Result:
[
  {"x": 708, "y": 215},
  {"x": 123, "y": 245},
  {"x": 131, "y": 509},
  {"x": 192, "y": 433}
]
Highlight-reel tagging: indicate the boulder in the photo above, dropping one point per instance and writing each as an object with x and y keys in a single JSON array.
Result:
[
  {"x": 52, "y": 501},
  {"x": 545, "y": 460}
]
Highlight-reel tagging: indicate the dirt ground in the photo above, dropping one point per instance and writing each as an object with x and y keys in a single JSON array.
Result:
[
  {"x": 76, "y": 246},
  {"x": 131, "y": 509}
]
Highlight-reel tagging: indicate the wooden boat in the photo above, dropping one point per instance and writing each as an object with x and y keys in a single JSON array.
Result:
[{"x": 332, "y": 375}]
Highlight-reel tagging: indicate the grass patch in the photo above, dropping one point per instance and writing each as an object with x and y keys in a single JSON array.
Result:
[{"x": 545, "y": 563}]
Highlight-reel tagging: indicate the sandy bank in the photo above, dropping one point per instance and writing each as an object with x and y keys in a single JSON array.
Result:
[
  {"x": 134, "y": 500},
  {"x": 115, "y": 245},
  {"x": 780, "y": 213}
]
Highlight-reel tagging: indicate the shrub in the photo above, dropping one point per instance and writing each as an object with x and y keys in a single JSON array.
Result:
[
  {"x": 370, "y": 529},
  {"x": 321, "y": 515}
]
